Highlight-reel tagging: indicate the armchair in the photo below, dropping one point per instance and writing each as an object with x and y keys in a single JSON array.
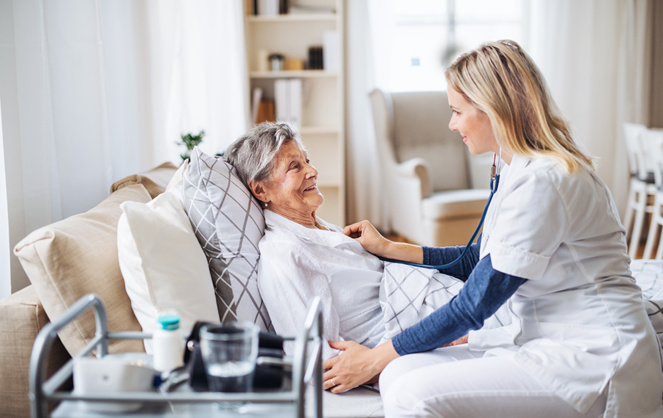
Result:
[{"x": 427, "y": 170}]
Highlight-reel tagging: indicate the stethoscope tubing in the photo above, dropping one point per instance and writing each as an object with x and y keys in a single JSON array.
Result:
[{"x": 494, "y": 183}]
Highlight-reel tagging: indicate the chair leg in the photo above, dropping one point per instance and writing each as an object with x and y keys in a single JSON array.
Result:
[
  {"x": 653, "y": 227},
  {"x": 630, "y": 210},
  {"x": 637, "y": 226}
]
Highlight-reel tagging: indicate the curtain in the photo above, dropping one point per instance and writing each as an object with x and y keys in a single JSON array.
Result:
[
  {"x": 368, "y": 26},
  {"x": 95, "y": 90},
  {"x": 595, "y": 56}
]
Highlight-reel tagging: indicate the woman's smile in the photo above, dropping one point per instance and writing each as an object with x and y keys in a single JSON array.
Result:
[{"x": 292, "y": 189}]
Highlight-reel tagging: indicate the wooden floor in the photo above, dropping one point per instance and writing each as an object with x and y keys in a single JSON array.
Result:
[{"x": 397, "y": 238}]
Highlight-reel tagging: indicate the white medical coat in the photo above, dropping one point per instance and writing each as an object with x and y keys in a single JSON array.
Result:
[
  {"x": 578, "y": 322},
  {"x": 298, "y": 263}
]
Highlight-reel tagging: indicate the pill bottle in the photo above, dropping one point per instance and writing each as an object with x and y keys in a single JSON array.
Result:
[{"x": 167, "y": 344}]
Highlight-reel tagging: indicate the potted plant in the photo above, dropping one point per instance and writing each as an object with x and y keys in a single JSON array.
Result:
[{"x": 190, "y": 141}]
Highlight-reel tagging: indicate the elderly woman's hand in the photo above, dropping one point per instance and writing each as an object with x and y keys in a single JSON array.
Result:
[
  {"x": 356, "y": 364},
  {"x": 369, "y": 237}
]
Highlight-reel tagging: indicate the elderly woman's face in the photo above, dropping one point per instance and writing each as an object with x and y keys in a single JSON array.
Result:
[{"x": 291, "y": 189}]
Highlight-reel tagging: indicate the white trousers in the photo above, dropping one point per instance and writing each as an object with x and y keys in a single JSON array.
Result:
[{"x": 457, "y": 382}]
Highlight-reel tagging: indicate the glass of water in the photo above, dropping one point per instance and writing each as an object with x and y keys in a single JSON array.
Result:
[{"x": 229, "y": 353}]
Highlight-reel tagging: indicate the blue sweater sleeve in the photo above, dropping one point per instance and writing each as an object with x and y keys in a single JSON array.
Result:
[
  {"x": 485, "y": 290},
  {"x": 436, "y": 256}
]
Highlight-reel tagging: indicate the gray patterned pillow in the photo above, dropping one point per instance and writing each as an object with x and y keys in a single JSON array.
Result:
[{"x": 228, "y": 223}]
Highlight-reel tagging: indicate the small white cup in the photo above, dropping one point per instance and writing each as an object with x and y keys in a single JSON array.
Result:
[{"x": 229, "y": 353}]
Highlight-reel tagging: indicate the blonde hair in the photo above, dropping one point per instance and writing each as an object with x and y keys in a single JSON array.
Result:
[{"x": 501, "y": 80}]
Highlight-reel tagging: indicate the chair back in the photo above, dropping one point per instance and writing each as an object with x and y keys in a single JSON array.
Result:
[
  {"x": 416, "y": 125},
  {"x": 653, "y": 139},
  {"x": 639, "y": 163}
]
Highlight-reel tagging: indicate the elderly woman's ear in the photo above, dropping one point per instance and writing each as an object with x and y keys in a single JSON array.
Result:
[{"x": 258, "y": 191}]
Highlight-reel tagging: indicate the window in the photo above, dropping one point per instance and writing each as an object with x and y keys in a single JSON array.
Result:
[{"x": 429, "y": 34}]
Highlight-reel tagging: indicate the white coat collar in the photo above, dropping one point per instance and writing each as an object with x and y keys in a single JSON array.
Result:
[
  {"x": 519, "y": 161},
  {"x": 333, "y": 236}
]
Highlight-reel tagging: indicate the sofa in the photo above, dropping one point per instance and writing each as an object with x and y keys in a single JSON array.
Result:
[
  {"x": 170, "y": 239},
  {"x": 64, "y": 261}
]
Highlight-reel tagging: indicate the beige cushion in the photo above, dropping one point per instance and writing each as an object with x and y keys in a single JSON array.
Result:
[
  {"x": 22, "y": 318},
  {"x": 455, "y": 204},
  {"x": 421, "y": 129},
  {"x": 155, "y": 180},
  {"x": 76, "y": 256}
]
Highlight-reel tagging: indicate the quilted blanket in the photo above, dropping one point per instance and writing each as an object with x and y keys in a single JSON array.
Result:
[{"x": 409, "y": 293}]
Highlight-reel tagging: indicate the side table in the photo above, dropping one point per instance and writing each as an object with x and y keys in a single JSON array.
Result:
[{"x": 306, "y": 371}]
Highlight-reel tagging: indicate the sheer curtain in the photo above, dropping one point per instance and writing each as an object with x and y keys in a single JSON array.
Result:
[
  {"x": 368, "y": 25},
  {"x": 595, "y": 55},
  {"x": 95, "y": 90}
]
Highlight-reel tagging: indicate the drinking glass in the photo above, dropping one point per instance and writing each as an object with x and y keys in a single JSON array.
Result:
[{"x": 229, "y": 353}]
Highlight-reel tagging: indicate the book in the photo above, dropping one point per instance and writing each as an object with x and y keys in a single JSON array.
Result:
[
  {"x": 315, "y": 58},
  {"x": 295, "y": 101},
  {"x": 265, "y": 112},
  {"x": 268, "y": 7},
  {"x": 257, "y": 97},
  {"x": 284, "y": 6},
  {"x": 281, "y": 99},
  {"x": 288, "y": 100},
  {"x": 330, "y": 51}
]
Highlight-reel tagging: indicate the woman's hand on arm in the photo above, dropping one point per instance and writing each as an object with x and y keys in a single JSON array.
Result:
[
  {"x": 356, "y": 364},
  {"x": 372, "y": 241}
]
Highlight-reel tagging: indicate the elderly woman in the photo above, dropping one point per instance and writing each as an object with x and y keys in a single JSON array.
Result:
[{"x": 302, "y": 256}]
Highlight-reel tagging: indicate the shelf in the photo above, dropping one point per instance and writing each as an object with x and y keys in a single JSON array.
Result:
[
  {"x": 321, "y": 17},
  {"x": 322, "y": 119},
  {"x": 293, "y": 74},
  {"x": 318, "y": 130}
]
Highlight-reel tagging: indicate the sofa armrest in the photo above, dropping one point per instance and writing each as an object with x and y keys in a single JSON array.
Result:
[
  {"x": 419, "y": 169},
  {"x": 154, "y": 180},
  {"x": 22, "y": 318}
]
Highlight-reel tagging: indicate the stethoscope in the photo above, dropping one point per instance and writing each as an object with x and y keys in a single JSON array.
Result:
[{"x": 495, "y": 171}]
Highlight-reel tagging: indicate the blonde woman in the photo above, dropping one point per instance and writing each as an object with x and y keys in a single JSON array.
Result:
[{"x": 553, "y": 249}]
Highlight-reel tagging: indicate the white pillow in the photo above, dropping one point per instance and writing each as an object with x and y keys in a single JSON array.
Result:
[
  {"x": 164, "y": 267},
  {"x": 176, "y": 182}
]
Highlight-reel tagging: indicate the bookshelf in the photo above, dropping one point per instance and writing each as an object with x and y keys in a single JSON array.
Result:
[{"x": 321, "y": 120}]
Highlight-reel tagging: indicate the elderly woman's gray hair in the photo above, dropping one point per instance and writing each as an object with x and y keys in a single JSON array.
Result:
[{"x": 253, "y": 153}]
